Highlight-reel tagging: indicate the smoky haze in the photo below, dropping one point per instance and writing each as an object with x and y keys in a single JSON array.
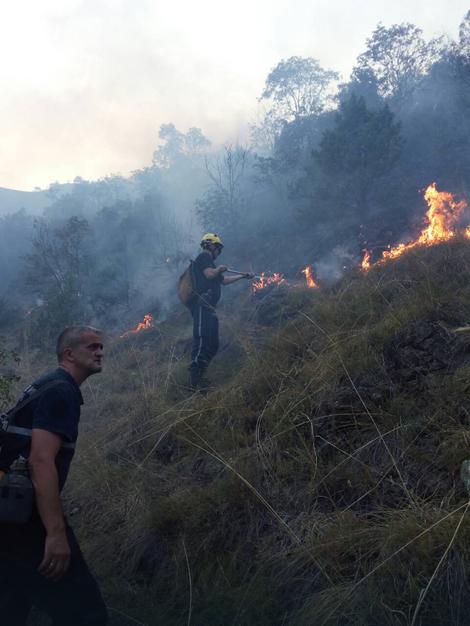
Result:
[
  {"x": 330, "y": 167},
  {"x": 87, "y": 83}
]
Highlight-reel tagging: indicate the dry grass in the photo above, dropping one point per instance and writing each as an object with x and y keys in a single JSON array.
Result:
[{"x": 314, "y": 486}]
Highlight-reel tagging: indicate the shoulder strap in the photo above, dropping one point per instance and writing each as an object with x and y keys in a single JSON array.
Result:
[
  {"x": 191, "y": 274},
  {"x": 36, "y": 394},
  {"x": 7, "y": 419}
]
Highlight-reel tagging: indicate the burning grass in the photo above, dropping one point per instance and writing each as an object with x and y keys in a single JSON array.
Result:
[
  {"x": 442, "y": 222},
  {"x": 144, "y": 325},
  {"x": 317, "y": 485}
]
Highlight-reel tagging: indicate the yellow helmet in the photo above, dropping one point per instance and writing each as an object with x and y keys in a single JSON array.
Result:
[{"x": 211, "y": 239}]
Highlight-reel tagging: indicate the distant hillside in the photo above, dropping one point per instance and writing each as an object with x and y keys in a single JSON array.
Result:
[{"x": 12, "y": 200}]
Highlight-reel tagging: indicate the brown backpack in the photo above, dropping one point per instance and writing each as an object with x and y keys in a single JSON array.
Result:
[{"x": 186, "y": 286}]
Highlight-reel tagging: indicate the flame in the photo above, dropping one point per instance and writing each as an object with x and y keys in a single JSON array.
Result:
[
  {"x": 308, "y": 273},
  {"x": 365, "y": 263},
  {"x": 147, "y": 323},
  {"x": 265, "y": 280},
  {"x": 442, "y": 218}
]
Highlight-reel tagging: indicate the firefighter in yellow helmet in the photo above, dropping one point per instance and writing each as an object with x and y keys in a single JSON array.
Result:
[{"x": 208, "y": 279}]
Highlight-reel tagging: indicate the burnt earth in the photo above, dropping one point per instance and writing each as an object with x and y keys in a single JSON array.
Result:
[{"x": 421, "y": 348}]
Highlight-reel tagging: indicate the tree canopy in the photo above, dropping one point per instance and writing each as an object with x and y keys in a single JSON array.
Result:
[{"x": 397, "y": 58}]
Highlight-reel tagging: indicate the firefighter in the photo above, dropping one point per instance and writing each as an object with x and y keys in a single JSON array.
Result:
[
  {"x": 208, "y": 279},
  {"x": 40, "y": 561}
]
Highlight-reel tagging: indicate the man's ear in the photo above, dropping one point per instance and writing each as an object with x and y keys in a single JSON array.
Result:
[{"x": 68, "y": 355}]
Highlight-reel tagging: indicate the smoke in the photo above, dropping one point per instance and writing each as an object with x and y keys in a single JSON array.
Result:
[
  {"x": 330, "y": 182},
  {"x": 332, "y": 267}
]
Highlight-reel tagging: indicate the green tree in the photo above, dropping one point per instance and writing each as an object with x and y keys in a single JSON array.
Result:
[
  {"x": 58, "y": 259},
  {"x": 464, "y": 36},
  {"x": 356, "y": 157},
  {"x": 297, "y": 87},
  {"x": 57, "y": 270},
  {"x": 397, "y": 58},
  {"x": 364, "y": 84},
  {"x": 437, "y": 125},
  {"x": 84, "y": 198},
  {"x": 177, "y": 145}
]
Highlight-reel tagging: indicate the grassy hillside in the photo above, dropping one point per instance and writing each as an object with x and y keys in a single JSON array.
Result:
[
  {"x": 317, "y": 484},
  {"x": 12, "y": 200}
]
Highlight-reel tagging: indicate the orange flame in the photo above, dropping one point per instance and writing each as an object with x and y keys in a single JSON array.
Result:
[
  {"x": 365, "y": 263},
  {"x": 265, "y": 280},
  {"x": 308, "y": 273},
  {"x": 147, "y": 323},
  {"x": 442, "y": 219}
]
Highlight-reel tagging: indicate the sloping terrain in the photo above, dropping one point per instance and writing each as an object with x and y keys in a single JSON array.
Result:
[
  {"x": 318, "y": 483},
  {"x": 12, "y": 200}
]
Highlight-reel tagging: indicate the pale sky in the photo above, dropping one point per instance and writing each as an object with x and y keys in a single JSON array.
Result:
[{"x": 87, "y": 83}]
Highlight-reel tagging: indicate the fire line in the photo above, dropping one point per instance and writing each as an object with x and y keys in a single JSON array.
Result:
[
  {"x": 147, "y": 323},
  {"x": 277, "y": 278},
  {"x": 441, "y": 224},
  {"x": 265, "y": 279}
]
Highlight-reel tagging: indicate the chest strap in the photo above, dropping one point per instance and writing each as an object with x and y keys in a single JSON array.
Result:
[
  {"x": 7, "y": 419},
  {"x": 27, "y": 432}
]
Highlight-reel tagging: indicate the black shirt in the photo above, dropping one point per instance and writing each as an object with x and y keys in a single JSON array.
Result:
[
  {"x": 56, "y": 410},
  {"x": 207, "y": 289}
]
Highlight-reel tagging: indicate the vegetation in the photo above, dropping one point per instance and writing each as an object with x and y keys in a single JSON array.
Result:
[
  {"x": 8, "y": 361},
  {"x": 318, "y": 484},
  {"x": 331, "y": 168}
]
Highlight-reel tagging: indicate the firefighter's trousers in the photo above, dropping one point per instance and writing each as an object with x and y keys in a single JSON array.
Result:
[{"x": 205, "y": 337}]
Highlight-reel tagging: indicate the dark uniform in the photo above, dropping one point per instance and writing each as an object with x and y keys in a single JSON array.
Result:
[
  {"x": 205, "y": 322},
  {"x": 75, "y": 600}
]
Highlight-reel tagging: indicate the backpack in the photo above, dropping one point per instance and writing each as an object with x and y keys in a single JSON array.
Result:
[
  {"x": 186, "y": 286},
  {"x": 16, "y": 487}
]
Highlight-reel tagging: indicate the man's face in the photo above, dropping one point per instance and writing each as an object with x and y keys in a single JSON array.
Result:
[
  {"x": 216, "y": 251},
  {"x": 88, "y": 355}
]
